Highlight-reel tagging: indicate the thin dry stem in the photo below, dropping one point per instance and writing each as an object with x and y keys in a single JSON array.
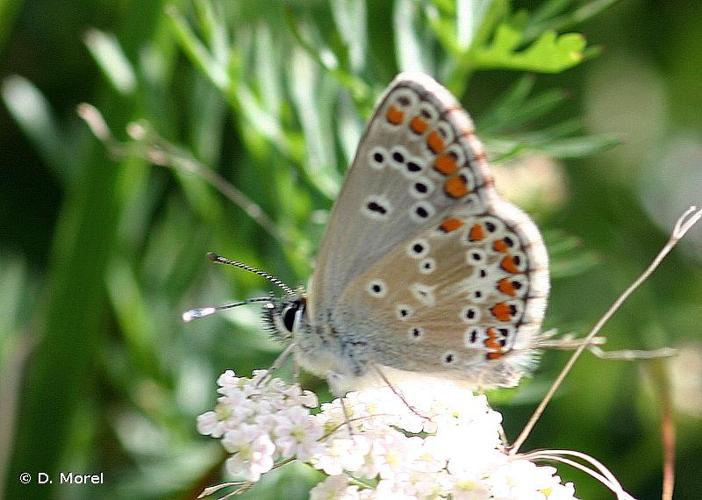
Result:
[
  {"x": 601, "y": 474},
  {"x": 688, "y": 219},
  {"x": 668, "y": 438},
  {"x": 241, "y": 487},
  {"x": 154, "y": 149},
  {"x": 661, "y": 384}
]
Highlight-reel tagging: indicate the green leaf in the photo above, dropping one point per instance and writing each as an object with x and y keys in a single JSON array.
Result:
[
  {"x": 515, "y": 108},
  {"x": 550, "y": 53},
  {"x": 550, "y": 16},
  {"x": 412, "y": 53},
  {"x": 111, "y": 60},
  {"x": 350, "y": 20},
  {"x": 580, "y": 147},
  {"x": 8, "y": 11},
  {"x": 33, "y": 113},
  {"x": 308, "y": 91},
  {"x": 198, "y": 53}
]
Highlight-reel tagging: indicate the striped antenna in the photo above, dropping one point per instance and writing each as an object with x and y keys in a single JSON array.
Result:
[
  {"x": 201, "y": 312},
  {"x": 223, "y": 260}
]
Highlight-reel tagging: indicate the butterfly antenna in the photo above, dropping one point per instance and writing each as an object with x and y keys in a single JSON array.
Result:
[
  {"x": 201, "y": 312},
  {"x": 223, "y": 260}
]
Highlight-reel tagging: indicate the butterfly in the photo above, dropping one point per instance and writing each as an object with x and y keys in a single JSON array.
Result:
[{"x": 423, "y": 267}]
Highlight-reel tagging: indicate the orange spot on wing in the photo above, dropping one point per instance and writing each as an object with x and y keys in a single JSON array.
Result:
[
  {"x": 451, "y": 224},
  {"x": 494, "y": 355},
  {"x": 505, "y": 286},
  {"x": 456, "y": 187},
  {"x": 418, "y": 125},
  {"x": 500, "y": 246},
  {"x": 394, "y": 115},
  {"x": 491, "y": 341},
  {"x": 509, "y": 265},
  {"x": 502, "y": 311},
  {"x": 445, "y": 164},
  {"x": 435, "y": 142},
  {"x": 476, "y": 233}
]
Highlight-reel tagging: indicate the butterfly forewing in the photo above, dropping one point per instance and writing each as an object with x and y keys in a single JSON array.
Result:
[{"x": 422, "y": 260}]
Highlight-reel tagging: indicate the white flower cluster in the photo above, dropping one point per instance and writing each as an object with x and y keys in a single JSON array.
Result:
[
  {"x": 261, "y": 421},
  {"x": 446, "y": 445}
]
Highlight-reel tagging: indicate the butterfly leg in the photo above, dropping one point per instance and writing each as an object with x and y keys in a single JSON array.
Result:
[
  {"x": 336, "y": 382},
  {"x": 279, "y": 361},
  {"x": 347, "y": 417},
  {"x": 396, "y": 391}
]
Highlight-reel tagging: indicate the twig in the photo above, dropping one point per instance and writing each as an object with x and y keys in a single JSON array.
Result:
[
  {"x": 154, "y": 149},
  {"x": 688, "y": 219}
]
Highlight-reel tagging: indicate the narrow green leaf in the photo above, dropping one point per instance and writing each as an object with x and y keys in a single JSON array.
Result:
[
  {"x": 469, "y": 17},
  {"x": 262, "y": 122},
  {"x": 305, "y": 88},
  {"x": 8, "y": 10},
  {"x": 34, "y": 115},
  {"x": 546, "y": 18},
  {"x": 410, "y": 49},
  {"x": 350, "y": 128},
  {"x": 13, "y": 293},
  {"x": 350, "y": 20},
  {"x": 196, "y": 51},
  {"x": 268, "y": 63},
  {"x": 548, "y": 10},
  {"x": 210, "y": 19},
  {"x": 130, "y": 307},
  {"x": 580, "y": 147},
  {"x": 326, "y": 59},
  {"x": 111, "y": 60}
]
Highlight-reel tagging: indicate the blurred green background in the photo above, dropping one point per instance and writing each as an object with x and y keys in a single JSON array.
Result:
[{"x": 598, "y": 136}]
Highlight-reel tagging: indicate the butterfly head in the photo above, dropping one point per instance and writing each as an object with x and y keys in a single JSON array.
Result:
[{"x": 284, "y": 316}]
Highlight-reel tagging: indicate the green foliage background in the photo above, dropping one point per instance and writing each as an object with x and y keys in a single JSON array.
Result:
[{"x": 101, "y": 252}]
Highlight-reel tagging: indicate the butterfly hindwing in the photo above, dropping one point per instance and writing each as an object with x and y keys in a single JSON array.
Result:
[
  {"x": 455, "y": 298},
  {"x": 422, "y": 259}
]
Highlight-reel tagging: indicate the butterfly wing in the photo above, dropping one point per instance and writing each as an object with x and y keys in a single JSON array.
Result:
[{"x": 422, "y": 260}]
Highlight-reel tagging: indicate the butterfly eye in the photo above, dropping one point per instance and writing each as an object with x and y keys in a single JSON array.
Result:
[{"x": 289, "y": 315}]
